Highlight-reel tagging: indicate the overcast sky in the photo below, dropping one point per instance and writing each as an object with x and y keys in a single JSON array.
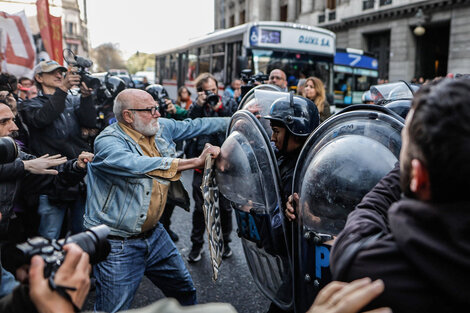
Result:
[{"x": 148, "y": 25}]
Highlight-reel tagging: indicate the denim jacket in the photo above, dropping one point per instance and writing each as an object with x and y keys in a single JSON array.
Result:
[{"x": 119, "y": 189}]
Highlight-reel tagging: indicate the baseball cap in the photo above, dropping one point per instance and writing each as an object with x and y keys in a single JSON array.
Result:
[{"x": 47, "y": 67}]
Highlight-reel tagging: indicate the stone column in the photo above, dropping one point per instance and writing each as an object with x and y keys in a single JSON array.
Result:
[
  {"x": 275, "y": 10},
  {"x": 291, "y": 10},
  {"x": 459, "y": 49}
]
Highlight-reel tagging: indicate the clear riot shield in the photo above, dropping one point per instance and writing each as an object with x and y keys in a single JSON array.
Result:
[
  {"x": 247, "y": 175},
  {"x": 385, "y": 93},
  {"x": 340, "y": 162},
  {"x": 251, "y": 93}
]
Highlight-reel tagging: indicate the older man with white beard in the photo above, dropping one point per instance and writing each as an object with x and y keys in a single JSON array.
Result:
[{"x": 128, "y": 182}]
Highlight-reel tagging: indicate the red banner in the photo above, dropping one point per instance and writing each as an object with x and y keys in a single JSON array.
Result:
[
  {"x": 51, "y": 31},
  {"x": 17, "y": 49},
  {"x": 56, "y": 25}
]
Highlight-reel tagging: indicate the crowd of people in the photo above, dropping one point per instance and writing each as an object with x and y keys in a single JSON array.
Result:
[{"x": 404, "y": 245}]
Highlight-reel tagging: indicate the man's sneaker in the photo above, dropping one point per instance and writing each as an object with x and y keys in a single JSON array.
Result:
[
  {"x": 195, "y": 254},
  {"x": 227, "y": 252},
  {"x": 173, "y": 235}
]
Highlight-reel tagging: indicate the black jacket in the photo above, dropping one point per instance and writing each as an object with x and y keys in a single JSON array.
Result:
[
  {"x": 195, "y": 146},
  {"x": 420, "y": 250},
  {"x": 18, "y": 185},
  {"x": 55, "y": 121}
]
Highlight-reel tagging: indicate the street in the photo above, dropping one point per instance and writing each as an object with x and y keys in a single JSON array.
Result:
[{"x": 234, "y": 285}]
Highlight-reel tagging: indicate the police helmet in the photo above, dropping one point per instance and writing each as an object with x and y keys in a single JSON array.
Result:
[
  {"x": 157, "y": 91},
  {"x": 111, "y": 88},
  {"x": 298, "y": 114}
]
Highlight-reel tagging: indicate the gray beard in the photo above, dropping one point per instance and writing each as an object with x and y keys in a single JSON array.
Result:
[{"x": 148, "y": 130}]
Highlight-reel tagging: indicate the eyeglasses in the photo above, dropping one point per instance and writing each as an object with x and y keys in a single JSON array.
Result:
[
  {"x": 276, "y": 77},
  {"x": 152, "y": 110}
]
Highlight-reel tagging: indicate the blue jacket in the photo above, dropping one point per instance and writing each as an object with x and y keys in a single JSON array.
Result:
[{"x": 119, "y": 189}]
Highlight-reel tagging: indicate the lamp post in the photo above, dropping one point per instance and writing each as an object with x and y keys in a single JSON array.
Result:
[{"x": 419, "y": 30}]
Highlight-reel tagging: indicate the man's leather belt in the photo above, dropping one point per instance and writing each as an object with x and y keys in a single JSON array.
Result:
[{"x": 143, "y": 235}]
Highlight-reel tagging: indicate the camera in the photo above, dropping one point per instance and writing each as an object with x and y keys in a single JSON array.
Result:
[
  {"x": 212, "y": 99},
  {"x": 250, "y": 80},
  {"x": 93, "y": 241},
  {"x": 8, "y": 150},
  {"x": 82, "y": 64}
]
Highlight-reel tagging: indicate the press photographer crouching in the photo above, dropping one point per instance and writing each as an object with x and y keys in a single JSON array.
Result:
[{"x": 58, "y": 274}]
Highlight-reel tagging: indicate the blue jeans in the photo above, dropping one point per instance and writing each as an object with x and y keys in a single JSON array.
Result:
[
  {"x": 8, "y": 283},
  {"x": 156, "y": 257},
  {"x": 52, "y": 217}
]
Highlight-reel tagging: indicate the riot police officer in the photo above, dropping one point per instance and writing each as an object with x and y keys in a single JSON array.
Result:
[{"x": 292, "y": 121}]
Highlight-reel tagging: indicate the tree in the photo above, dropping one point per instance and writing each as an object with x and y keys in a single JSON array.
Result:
[
  {"x": 141, "y": 62},
  {"x": 107, "y": 56}
]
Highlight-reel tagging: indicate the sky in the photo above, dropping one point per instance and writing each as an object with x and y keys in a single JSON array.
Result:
[{"x": 148, "y": 25}]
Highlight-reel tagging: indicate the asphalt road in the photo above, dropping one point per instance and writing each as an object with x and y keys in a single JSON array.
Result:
[{"x": 234, "y": 285}]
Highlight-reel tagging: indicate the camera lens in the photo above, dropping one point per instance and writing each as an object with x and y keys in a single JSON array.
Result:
[
  {"x": 212, "y": 99},
  {"x": 93, "y": 241}
]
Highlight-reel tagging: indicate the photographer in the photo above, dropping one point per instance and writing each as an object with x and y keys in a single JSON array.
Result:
[
  {"x": 208, "y": 104},
  {"x": 55, "y": 118},
  {"x": 39, "y": 297}
]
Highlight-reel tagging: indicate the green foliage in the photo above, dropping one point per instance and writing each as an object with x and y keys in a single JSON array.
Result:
[
  {"x": 141, "y": 62},
  {"x": 107, "y": 56}
]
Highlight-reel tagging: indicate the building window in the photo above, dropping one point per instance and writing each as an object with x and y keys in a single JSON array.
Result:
[
  {"x": 231, "y": 21},
  {"x": 385, "y": 2},
  {"x": 71, "y": 28},
  {"x": 73, "y": 47},
  {"x": 332, "y": 16},
  {"x": 368, "y": 4},
  {"x": 242, "y": 17},
  {"x": 321, "y": 18}
]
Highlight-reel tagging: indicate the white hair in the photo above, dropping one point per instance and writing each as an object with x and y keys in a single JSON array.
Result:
[{"x": 118, "y": 107}]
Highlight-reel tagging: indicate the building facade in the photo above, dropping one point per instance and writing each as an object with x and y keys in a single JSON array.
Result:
[
  {"x": 410, "y": 38},
  {"x": 73, "y": 17}
]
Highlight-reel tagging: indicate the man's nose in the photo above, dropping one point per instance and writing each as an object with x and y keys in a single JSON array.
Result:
[
  {"x": 157, "y": 114},
  {"x": 13, "y": 127}
]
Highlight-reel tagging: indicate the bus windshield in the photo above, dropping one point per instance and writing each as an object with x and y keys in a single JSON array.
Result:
[{"x": 295, "y": 65}]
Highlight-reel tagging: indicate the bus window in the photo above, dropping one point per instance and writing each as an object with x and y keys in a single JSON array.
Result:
[
  {"x": 173, "y": 66},
  {"x": 204, "y": 60},
  {"x": 192, "y": 65},
  {"x": 218, "y": 55}
]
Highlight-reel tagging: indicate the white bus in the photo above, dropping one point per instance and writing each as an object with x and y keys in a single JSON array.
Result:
[{"x": 299, "y": 50}]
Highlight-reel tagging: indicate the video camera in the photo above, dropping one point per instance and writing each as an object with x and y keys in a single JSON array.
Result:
[
  {"x": 93, "y": 241},
  {"x": 8, "y": 150},
  {"x": 82, "y": 64},
  {"x": 250, "y": 80}
]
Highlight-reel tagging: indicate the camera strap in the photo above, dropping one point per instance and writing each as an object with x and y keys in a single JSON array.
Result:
[{"x": 62, "y": 290}]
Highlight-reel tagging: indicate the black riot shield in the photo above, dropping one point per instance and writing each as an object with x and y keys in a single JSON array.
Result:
[
  {"x": 340, "y": 162},
  {"x": 247, "y": 175}
]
